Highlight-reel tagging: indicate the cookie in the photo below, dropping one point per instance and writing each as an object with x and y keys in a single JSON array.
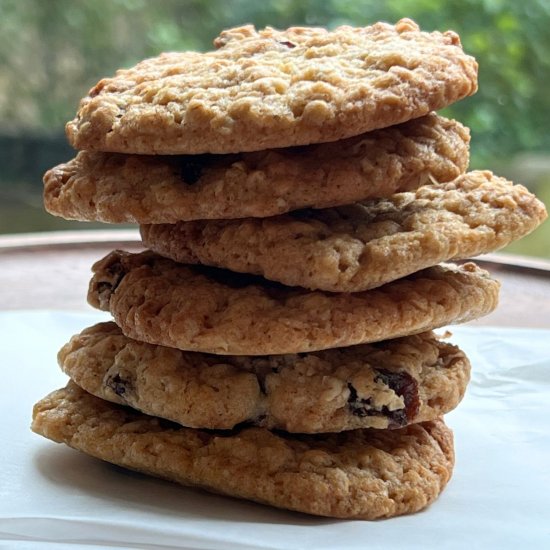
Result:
[
  {"x": 196, "y": 308},
  {"x": 361, "y": 246},
  {"x": 265, "y": 89},
  {"x": 362, "y": 474},
  {"x": 385, "y": 385},
  {"x": 117, "y": 188}
]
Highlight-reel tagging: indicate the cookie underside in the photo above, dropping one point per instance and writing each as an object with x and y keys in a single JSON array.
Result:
[{"x": 363, "y": 474}]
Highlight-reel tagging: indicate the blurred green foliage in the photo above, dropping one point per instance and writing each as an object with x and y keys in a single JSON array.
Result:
[{"x": 53, "y": 51}]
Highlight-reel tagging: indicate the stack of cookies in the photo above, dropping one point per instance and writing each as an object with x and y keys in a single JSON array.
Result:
[{"x": 296, "y": 192}]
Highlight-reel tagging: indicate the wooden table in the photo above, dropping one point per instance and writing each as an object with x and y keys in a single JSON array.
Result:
[{"x": 52, "y": 270}]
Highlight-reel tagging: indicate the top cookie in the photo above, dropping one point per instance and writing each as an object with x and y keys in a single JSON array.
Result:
[{"x": 269, "y": 88}]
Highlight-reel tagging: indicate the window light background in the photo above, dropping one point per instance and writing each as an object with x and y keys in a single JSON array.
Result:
[{"x": 53, "y": 51}]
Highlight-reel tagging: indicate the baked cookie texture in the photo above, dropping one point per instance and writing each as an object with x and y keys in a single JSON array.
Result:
[
  {"x": 385, "y": 385},
  {"x": 265, "y": 89},
  {"x": 357, "y": 247},
  {"x": 160, "y": 301},
  {"x": 117, "y": 188},
  {"x": 363, "y": 474}
]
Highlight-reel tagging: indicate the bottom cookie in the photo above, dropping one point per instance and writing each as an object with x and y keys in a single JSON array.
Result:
[{"x": 362, "y": 474}]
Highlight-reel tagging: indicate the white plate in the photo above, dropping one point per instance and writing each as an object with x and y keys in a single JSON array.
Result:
[{"x": 499, "y": 496}]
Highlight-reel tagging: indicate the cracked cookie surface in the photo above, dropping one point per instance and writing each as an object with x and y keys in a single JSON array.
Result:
[
  {"x": 117, "y": 188},
  {"x": 362, "y": 474},
  {"x": 361, "y": 246},
  {"x": 268, "y": 88},
  {"x": 385, "y": 385},
  {"x": 157, "y": 300}
]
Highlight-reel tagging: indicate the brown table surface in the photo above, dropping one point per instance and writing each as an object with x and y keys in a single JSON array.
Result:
[{"x": 52, "y": 270}]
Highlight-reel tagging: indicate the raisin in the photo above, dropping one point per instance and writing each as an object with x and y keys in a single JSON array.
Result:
[
  {"x": 359, "y": 407},
  {"x": 287, "y": 43},
  {"x": 404, "y": 385},
  {"x": 191, "y": 168},
  {"x": 118, "y": 384}
]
